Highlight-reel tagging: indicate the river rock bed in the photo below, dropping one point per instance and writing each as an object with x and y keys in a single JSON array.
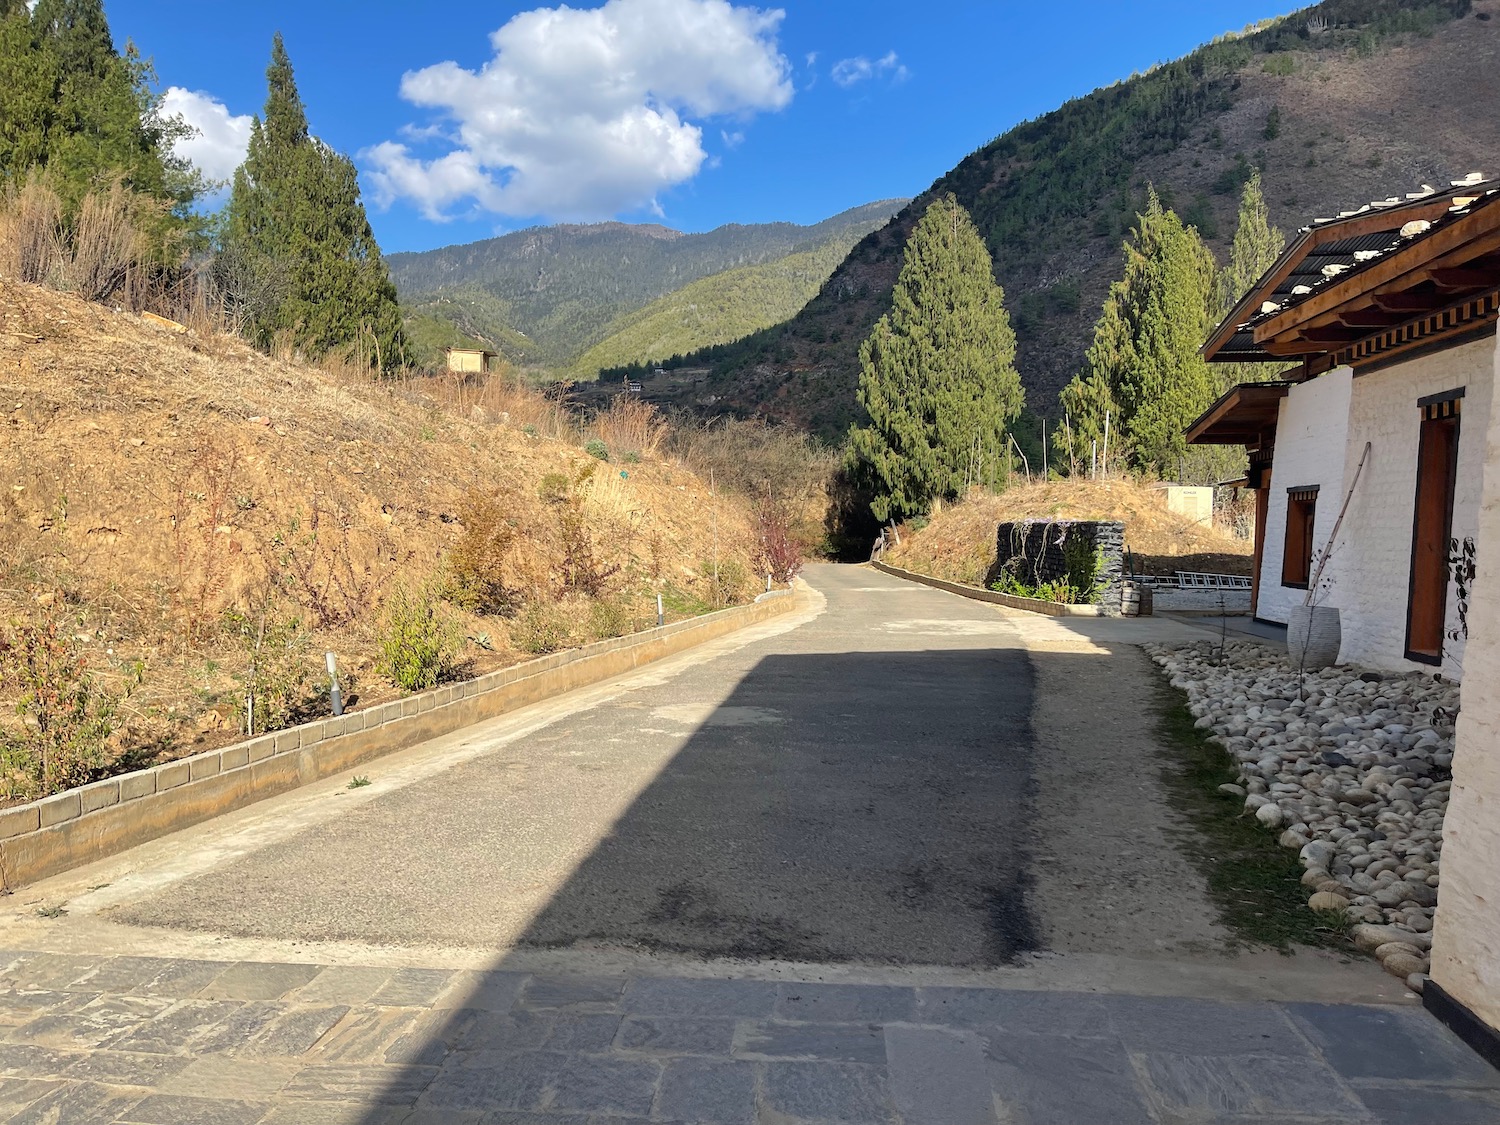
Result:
[{"x": 1353, "y": 770}]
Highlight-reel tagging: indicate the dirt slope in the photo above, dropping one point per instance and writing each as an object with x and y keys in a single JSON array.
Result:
[
  {"x": 154, "y": 483},
  {"x": 959, "y": 542}
]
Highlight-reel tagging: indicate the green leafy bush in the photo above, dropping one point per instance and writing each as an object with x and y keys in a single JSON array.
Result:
[
  {"x": 541, "y": 627},
  {"x": 275, "y": 647},
  {"x": 420, "y": 641},
  {"x": 596, "y": 448},
  {"x": 66, "y": 719}
]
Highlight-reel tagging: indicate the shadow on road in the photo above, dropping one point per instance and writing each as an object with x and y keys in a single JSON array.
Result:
[{"x": 867, "y": 806}]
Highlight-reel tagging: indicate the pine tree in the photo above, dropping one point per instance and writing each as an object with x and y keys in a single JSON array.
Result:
[
  {"x": 82, "y": 113},
  {"x": 29, "y": 75},
  {"x": 298, "y": 255},
  {"x": 937, "y": 373},
  {"x": 1257, "y": 245},
  {"x": 1143, "y": 365}
]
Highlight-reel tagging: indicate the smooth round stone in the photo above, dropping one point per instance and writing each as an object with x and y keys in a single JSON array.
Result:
[
  {"x": 1391, "y": 948},
  {"x": 1402, "y": 965},
  {"x": 1327, "y": 900},
  {"x": 1270, "y": 815}
]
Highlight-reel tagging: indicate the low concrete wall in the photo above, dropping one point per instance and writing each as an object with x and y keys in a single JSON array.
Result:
[
  {"x": 81, "y": 825},
  {"x": 1171, "y": 599},
  {"x": 1031, "y": 605}
]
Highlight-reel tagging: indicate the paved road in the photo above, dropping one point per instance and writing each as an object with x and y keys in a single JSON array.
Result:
[
  {"x": 795, "y": 876},
  {"x": 852, "y": 790}
]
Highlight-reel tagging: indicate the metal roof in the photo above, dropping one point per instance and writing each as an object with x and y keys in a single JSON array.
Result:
[{"x": 1318, "y": 258}]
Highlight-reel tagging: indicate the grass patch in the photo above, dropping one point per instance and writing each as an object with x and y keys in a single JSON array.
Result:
[{"x": 1252, "y": 879}]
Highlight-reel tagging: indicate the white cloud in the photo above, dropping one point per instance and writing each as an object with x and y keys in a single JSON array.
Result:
[
  {"x": 584, "y": 114},
  {"x": 851, "y": 72},
  {"x": 218, "y": 146}
]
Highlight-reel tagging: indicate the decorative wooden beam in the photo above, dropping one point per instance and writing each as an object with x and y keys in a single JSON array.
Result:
[
  {"x": 1368, "y": 318},
  {"x": 1332, "y": 335},
  {"x": 1458, "y": 278},
  {"x": 1409, "y": 303}
]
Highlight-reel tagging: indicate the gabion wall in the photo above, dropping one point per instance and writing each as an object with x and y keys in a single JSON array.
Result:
[{"x": 1041, "y": 547}]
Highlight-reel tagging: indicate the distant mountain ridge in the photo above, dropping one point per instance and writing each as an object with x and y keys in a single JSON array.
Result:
[
  {"x": 1338, "y": 104},
  {"x": 545, "y": 295}
]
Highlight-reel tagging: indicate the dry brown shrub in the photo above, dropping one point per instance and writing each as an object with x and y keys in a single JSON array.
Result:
[
  {"x": 498, "y": 396},
  {"x": 311, "y": 560},
  {"x": 30, "y": 220},
  {"x": 481, "y": 559},
  {"x": 630, "y": 426},
  {"x": 96, "y": 257},
  {"x": 755, "y": 459}
]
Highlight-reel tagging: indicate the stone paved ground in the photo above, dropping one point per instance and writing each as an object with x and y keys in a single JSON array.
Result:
[{"x": 160, "y": 1041}]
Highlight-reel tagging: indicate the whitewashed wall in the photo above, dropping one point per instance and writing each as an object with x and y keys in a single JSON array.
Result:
[
  {"x": 1466, "y": 937},
  {"x": 1373, "y": 564},
  {"x": 1310, "y": 449}
]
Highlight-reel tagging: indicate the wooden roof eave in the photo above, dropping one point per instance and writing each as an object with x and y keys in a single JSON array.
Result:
[
  {"x": 1308, "y": 240},
  {"x": 1472, "y": 236},
  {"x": 1240, "y": 416}
]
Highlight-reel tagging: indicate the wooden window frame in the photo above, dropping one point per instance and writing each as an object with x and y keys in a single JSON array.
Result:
[
  {"x": 1301, "y": 513},
  {"x": 1444, "y": 408}
]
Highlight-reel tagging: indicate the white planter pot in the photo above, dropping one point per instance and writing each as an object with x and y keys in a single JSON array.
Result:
[{"x": 1313, "y": 636}]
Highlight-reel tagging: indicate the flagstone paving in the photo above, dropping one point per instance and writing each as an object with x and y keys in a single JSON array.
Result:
[{"x": 161, "y": 1041}]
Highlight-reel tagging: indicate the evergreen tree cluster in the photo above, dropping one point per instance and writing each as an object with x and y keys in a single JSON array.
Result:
[
  {"x": 298, "y": 262},
  {"x": 1143, "y": 373},
  {"x": 78, "y": 111},
  {"x": 937, "y": 375}
]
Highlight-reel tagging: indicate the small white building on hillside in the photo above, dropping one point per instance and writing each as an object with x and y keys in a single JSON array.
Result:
[
  {"x": 1389, "y": 314},
  {"x": 470, "y": 361}
]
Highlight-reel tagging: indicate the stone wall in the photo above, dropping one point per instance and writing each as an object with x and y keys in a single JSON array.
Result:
[
  {"x": 1466, "y": 937},
  {"x": 1040, "y": 547}
]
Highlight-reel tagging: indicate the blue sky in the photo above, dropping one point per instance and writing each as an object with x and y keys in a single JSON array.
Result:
[{"x": 689, "y": 112}]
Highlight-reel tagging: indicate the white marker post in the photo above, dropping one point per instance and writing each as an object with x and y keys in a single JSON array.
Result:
[{"x": 334, "y": 694}]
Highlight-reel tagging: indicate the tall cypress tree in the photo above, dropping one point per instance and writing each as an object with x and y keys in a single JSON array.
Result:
[
  {"x": 1144, "y": 364},
  {"x": 78, "y": 109},
  {"x": 937, "y": 373},
  {"x": 298, "y": 239},
  {"x": 1257, "y": 245},
  {"x": 29, "y": 76}
]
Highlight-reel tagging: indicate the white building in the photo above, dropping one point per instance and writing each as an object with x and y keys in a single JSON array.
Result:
[{"x": 1389, "y": 314}]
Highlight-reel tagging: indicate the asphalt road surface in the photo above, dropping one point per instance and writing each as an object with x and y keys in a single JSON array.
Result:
[{"x": 852, "y": 789}]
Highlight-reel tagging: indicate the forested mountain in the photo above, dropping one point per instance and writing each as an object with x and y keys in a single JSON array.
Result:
[
  {"x": 1338, "y": 104},
  {"x": 717, "y": 309},
  {"x": 544, "y": 296}
]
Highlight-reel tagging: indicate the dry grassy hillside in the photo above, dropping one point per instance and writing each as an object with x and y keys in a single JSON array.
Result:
[
  {"x": 959, "y": 542},
  {"x": 168, "y": 499}
]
